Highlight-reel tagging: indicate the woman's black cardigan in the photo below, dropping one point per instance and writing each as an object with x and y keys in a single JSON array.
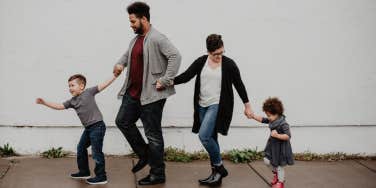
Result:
[{"x": 230, "y": 75}]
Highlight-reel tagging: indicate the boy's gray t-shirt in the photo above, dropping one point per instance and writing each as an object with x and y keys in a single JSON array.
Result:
[{"x": 85, "y": 106}]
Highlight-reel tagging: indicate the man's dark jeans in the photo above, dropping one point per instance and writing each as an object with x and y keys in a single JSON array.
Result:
[
  {"x": 151, "y": 115},
  {"x": 93, "y": 135}
]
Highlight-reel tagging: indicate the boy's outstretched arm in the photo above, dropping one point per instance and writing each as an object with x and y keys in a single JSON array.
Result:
[
  {"x": 56, "y": 106},
  {"x": 105, "y": 84}
]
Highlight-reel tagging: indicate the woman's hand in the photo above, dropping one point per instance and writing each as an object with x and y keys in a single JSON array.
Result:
[{"x": 248, "y": 111}]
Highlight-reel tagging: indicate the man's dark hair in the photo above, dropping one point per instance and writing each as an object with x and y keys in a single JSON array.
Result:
[
  {"x": 140, "y": 9},
  {"x": 273, "y": 106},
  {"x": 214, "y": 42},
  {"x": 80, "y": 79}
]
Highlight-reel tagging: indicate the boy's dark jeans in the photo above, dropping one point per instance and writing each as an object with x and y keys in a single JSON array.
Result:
[
  {"x": 93, "y": 135},
  {"x": 151, "y": 115}
]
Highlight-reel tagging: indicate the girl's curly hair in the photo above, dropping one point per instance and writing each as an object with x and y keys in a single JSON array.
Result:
[{"x": 273, "y": 106}]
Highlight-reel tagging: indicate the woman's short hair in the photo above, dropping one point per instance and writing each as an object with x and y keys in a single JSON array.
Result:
[{"x": 214, "y": 42}]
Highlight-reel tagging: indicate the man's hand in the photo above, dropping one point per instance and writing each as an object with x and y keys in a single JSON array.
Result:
[
  {"x": 118, "y": 69},
  {"x": 159, "y": 86},
  {"x": 40, "y": 101}
]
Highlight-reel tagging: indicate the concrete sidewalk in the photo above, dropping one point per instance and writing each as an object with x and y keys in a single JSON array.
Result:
[{"x": 32, "y": 172}]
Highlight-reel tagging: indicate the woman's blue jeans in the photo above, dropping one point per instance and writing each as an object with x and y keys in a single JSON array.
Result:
[{"x": 207, "y": 134}]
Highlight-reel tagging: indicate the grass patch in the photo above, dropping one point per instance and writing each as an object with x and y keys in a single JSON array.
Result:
[
  {"x": 54, "y": 153},
  {"x": 243, "y": 156}
]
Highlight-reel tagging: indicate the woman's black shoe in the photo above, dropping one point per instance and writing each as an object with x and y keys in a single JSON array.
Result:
[
  {"x": 222, "y": 170},
  {"x": 203, "y": 181},
  {"x": 216, "y": 178}
]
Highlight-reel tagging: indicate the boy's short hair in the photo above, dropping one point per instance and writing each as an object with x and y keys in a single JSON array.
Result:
[
  {"x": 80, "y": 79},
  {"x": 140, "y": 9},
  {"x": 273, "y": 106},
  {"x": 214, "y": 42}
]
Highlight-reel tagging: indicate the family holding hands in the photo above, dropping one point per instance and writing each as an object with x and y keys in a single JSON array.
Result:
[{"x": 152, "y": 63}]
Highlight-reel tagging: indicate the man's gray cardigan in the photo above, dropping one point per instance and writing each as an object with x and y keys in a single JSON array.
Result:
[{"x": 161, "y": 62}]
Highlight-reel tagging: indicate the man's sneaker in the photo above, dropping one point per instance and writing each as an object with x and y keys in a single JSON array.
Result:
[
  {"x": 80, "y": 175},
  {"x": 97, "y": 180}
]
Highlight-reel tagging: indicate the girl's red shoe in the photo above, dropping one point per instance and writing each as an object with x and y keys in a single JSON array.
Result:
[
  {"x": 275, "y": 179},
  {"x": 278, "y": 185}
]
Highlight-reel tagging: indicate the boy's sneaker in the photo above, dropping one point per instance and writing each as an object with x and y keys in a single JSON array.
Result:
[
  {"x": 97, "y": 180},
  {"x": 80, "y": 175}
]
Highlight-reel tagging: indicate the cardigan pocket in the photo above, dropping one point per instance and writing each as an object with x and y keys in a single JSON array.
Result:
[{"x": 155, "y": 68}]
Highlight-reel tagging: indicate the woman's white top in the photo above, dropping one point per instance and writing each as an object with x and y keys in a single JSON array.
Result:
[{"x": 210, "y": 86}]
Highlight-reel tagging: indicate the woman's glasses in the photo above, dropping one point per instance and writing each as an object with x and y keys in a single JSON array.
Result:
[{"x": 218, "y": 53}]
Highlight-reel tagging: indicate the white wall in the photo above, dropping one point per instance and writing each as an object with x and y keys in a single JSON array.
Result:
[{"x": 318, "y": 56}]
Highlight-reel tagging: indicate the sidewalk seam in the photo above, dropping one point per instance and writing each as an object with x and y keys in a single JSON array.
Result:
[
  {"x": 134, "y": 176},
  {"x": 371, "y": 169},
  {"x": 6, "y": 171},
  {"x": 258, "y": 174}
]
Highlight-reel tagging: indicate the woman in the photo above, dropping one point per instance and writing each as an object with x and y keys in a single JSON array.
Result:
[{"x": 214, "y": 101}]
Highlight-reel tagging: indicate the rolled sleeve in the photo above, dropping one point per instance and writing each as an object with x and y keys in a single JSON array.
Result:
[
  {"x": 123, "y": 59},
  {"x": 286, "y": 129},
  {"x": 265, "y": 120},
  {"x": 93, "y": 90},
  {"x": 67, "y": 104}
]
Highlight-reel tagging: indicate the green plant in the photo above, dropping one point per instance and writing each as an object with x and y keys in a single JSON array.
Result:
[
  {"x": 177, "y": 155},
  {"x": 200, "y": 155},
  {"x": 54, "y": 153},
  {"x": 235, "y": 155},
  {"x": 7, "y": 150},
  {"x": 306, "y": 156},
  {"x": 339, "y": 156},
  {"x": 243, "y": 156},
  {"x": 249, "y": 155}
]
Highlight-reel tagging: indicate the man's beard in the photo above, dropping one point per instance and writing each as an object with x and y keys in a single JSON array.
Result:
[{"x": 139, "y": 30}]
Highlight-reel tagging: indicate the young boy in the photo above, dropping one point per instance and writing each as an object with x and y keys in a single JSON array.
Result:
[
  {"x": 83, "y": 102},
  {"x": 278, "y": 152}
]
